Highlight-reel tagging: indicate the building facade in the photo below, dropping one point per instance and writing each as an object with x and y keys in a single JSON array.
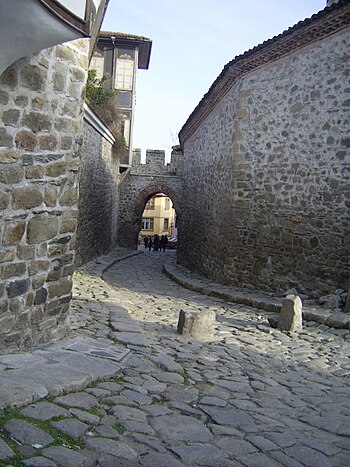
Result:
[
  {"x": 158, "y": 216},
  {"x": 119, "y": 56}
]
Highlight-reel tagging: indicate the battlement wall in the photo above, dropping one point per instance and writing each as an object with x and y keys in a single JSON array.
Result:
[{"x": 155, "y": 162}]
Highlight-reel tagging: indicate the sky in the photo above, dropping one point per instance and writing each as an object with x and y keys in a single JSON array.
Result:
[{"x": 192, "y": 42}]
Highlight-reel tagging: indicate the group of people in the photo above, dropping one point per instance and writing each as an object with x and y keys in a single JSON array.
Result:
[{"x": 157, "y": 243}]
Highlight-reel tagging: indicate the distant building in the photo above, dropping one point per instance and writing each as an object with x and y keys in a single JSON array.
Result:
[
  {"x": 159, "y": 217},
  {"x": 119, "y": 56}
]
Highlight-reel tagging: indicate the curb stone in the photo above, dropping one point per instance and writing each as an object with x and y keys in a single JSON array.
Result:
[{"x": 260, "y": 300}]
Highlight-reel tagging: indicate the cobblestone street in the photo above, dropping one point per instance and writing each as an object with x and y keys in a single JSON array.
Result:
[{"x": 253, "y": 396}]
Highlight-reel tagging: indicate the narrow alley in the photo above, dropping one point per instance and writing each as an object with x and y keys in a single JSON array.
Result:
[{"x": 253, "y": 396}]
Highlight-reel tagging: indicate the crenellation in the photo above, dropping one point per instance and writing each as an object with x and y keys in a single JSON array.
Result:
[{"x": 155, "y": 162}]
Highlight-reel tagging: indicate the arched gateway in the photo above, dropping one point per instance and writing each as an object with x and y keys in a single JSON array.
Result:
[{"x": 140, "y": 184}]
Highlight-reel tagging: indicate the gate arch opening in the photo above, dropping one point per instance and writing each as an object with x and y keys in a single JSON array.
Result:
[{"x": 144, "y": 197}]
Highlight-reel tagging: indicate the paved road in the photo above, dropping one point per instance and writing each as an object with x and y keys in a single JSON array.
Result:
[{"x": 251, "y": 397}]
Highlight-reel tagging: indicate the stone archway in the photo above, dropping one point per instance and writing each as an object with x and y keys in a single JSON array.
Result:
[{"x": 134, "y": 197}]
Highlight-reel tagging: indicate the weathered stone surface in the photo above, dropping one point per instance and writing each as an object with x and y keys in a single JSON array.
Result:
[
  {"x": 115, "y": 448},
  {"x": 18, "y": 287},
  {"x": 196, "y": 324},
  {"x": 64, "y": 456},
  {"x": 33, "y": 77},
  {"x": 9, "y": 156},
  {"x": 37, "y": 121},
  {"x": 48, "y": 142},
  {"x": 5, "y": 451},
  {"x": 56, "y": 169},
  {"x": 41, "y": 228},
  {"x": 71, "y": 427},
  {"x": 290, "y": 318},
  {"x": 80, "y": 400},
  {"x": 4, "y": 97},
  {"x": 35, "y": 171},
  {"x": 26, "y": 197},
  {"x": 9, "y": 77},
  {"x": 4, "y": 200},
  {"x": 27, "y": 433},
  {"x": 12, "y": 270},
  {"x": 39, "y": 462},
  {"x": 13, "y": 233},
  {"x": 11, "y": 117},
  {"x": 180, "y": 428},
  {"x": 5, "y": 138},
  {"x": 26, "y": 140},
  {"x": 11, "y": 175},
  {"x": 44, "y": 411}
]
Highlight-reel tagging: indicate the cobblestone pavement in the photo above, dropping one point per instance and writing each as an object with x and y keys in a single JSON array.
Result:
[{"x": 253, "y": 396}]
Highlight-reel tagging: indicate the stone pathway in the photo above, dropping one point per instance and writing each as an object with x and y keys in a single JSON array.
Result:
[{"x": 252, "y": 396}]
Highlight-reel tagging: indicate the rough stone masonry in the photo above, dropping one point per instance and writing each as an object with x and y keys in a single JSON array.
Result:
[
  {"x": 266, "y": 164},
  {"x": 40, "y": 138}
]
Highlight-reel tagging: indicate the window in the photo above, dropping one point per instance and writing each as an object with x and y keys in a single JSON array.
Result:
[
  {"x": 150, "y": 204},
  {"x": 124, "y": 74},
  {"x": 124, "y": 98},
  {"x": 147, "y": 223},
  {"x": 124, "y": 52},
  {"x": 167, "y": 204},
  {"x": 97, "y": 63},
  {"x": 166, "y": 224}
]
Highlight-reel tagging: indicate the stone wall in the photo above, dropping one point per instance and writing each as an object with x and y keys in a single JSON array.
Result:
[
  {"x": 266, "y": 168},
  {"x": 155, "y": 162},
  {"x": 40, "y": 138},
  {"x": 143, "y": 181},
  {"x": 98, "y": 192}
]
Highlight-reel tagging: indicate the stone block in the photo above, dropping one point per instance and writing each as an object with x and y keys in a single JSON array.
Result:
[
  {"x": 37, "y": 121},
  {"x": 38, "y": 281},
  {"x": 5, "y": 138},
  {"x": 4, "y": 97},
  {"x": 56, "y": 169},
  {"x": 26, "y": 197},
  {"x": 197, "y": 324},
  {"x": 11, "y": 175},
  {"x": 40, "y": 296},
  {"x": 17, "y": 287},
  {"x": 25, "y": 252},
  {"x": 69, "y": 197},
  {"x": 26, "y": 140},
  {"x": 41, "y": 228},
  {"x": 34, "y": 171},
  {"x": 11, "y": 117},
  {"x": 7, "y": 322},
  {"x": 4, "y": 200},
  {"x": 21, "y": 101},
  {"x": 58, "y": 289},
  {"x": 48, "y": 142},
  {"x": 9, "y": 156},
  {"x": 51, "y": 196},
  {"x": 7, "y": 255},
  {"x": 38, "y": 103},
  {"x": 12, "y": 270},
  {"x": 290, "y": 318},
  {"x": 13, "y": 233},
  {"x": 9, "y": 78},
  {"x": 33, "y": 77}
]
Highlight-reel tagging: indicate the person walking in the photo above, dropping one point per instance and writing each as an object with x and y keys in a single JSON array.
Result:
[
  {"x": 156, "y": 242},
  {"x": 163, "y": 242},
  {"x": 149, "y": 243},
  {"x": 145, "y": 241}
]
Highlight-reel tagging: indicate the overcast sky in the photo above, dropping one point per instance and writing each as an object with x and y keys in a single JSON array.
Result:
[{"x": 192, "y": 42}]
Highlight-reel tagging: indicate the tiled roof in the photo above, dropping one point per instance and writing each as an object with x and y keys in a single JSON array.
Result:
[
  {"x": 144, "y": 45},
  {"x": 122, "y": 35},
  {"x": 322, "y": 24}
]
